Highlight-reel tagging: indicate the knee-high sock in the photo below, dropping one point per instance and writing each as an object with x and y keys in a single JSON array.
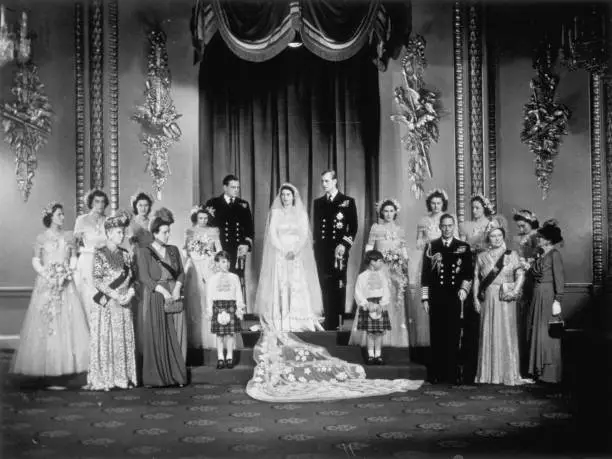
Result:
[
  {"x": 230, "y": 340},
  {"x": 370, "y": 340},
  {"x": 220, "y": 355}
]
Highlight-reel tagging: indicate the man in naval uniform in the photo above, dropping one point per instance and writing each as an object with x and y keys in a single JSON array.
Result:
[
  {"x": 446, "y": 280},
  {"x": 232, "y": 215},
  {"x": 335, "y": 228}
]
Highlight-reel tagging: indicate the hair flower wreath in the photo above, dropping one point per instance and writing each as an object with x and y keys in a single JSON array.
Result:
[
  {"x": 438, "y": 191},
  {"x": 140, "y": 194},
  {"x": 48, "y": 209},
  {"x": 394, "y": 201},
  {"x": 487, "y": 203}
]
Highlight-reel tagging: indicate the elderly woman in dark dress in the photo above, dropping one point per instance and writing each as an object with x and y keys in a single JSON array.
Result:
[
  {"x": 548, "y": 280},
  {"x": 162, "y": 333}
]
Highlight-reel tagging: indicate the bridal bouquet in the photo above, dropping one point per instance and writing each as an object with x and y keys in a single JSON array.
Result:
[
  {"x": 398, "y": 270},
  {"x": 201, "y": 246}
]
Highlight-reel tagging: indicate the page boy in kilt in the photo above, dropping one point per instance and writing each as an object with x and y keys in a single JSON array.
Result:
[
  {"x": 225, "y": 306},
  {"x": 372, "y": 298}
]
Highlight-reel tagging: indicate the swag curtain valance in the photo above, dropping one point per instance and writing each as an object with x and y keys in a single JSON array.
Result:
[{"x": 335, "y": 30}]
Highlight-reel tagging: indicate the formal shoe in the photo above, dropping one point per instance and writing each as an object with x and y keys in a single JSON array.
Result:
[
  {"x": 229, "y": 363},
  {"x": 380, "y": 361},
  {"x": 220, "y": 364},
  {"x": 370, "y": 361}
]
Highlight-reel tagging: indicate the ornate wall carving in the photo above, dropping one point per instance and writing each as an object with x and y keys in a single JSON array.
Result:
[
  {"x": 96, "y": 91},
  {"x": 458, "y": 43},
  {"x": 596, "y": 105},
  {"x": 79, "y": 98},
  {"x": 113, "y": 100},
  {"x": 609, "y": 168},
  {"x": 475, "y": 101},
  {"x": 492, "y": 122}
]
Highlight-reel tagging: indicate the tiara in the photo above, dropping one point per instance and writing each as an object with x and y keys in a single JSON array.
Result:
[
  {"x": 485, "y": 200},
  {"x": 195, "y": 209},
  {"x": 134, "y": 197},
  {"x": 525, "y": 214},
  {"x": 394, "y": 201},
  {"x": 118, "y": 219},
  {"x": 497, "y": 222},
  {"x": 48, "y": 209},
  {"x": 437, "y": 191}
]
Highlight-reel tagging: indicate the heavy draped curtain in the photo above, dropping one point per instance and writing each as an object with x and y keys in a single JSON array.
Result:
[
  {"x": 271, "y": 114},
  {"x": 288, "y": 119}
]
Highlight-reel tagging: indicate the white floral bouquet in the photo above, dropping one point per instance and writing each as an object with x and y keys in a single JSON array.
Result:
[
  {"x": 201, "y": 246},
  {"x": 398, "y": 270},
  {"x": 58, "y": 275}
]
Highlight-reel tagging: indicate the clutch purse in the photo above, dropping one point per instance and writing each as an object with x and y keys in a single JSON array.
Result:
[
  {"x": 506, "y": 291},
  {"x": 556, "y": 327},
  {"x": 173, "y": 307}
]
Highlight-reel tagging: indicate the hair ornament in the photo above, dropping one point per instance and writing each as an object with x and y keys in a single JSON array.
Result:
[
  {"x": 48, "y": 209},
  {"x": 525, "y": 214},
  {"x": 139, "y": 196},
  {"x": 119, "y": 219},
  {"x": 487, "y": 203},
  {"x": 394, "y": 201},
  {"x": 439, "y": 191},
  {"x": 195, "y": 210},
  {"x": 497, "y": 222}
]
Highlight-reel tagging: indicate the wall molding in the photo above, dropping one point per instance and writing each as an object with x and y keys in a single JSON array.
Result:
[
  {"x": 96, "y": 91},
  {"x": 596, "y": 105},
  {"x": 16, "y": 292},
  {"x": 458, "y": 58},
  {"x": 475, "y": 100}
]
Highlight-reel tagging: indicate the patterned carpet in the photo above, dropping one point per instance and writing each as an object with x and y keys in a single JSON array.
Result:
[{"x": 208, "y": 420}]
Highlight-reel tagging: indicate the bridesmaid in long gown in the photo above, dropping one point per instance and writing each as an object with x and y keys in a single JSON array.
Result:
[
  {"x": 498, "y": 279},
  {"x": 548, "y": 276},
  {"x": 162, "y": 335},
  {"x": 54, "y": 337},
  {"x": 112, "y": 342},
  {"x": 138, "y": 232},
  {"x": 201, "y": 244},
  {"x": 389, "y": 238},
  {"x": 428, "y": 229},
  {"x": 89, "y": 231},
  {"x": 474, "y": 232}
]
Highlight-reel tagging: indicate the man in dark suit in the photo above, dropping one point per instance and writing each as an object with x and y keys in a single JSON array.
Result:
[
  {"x": 335, "y": 228},
  {"x": 232, "y": 215},
  {"x": 446, "y": 280}
]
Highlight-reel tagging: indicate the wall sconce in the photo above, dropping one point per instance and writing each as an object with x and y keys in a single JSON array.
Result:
[{"x": 11, "y": 46}]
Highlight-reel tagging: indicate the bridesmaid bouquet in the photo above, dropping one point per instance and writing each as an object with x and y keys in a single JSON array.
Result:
[
  {"x": 58, "y": 274},
  {"x": 200, "y": 246},
  {"x": 398, "y": 270}
]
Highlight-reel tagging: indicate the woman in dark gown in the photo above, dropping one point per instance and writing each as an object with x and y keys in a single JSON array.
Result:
[
  {"x": 548, "y": 280},
  {"x": 162, "y": 335}
]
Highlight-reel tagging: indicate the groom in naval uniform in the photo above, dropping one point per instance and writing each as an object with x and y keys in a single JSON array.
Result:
[
  {"x": 232, "y": 215},
  {"x": 335, "y": 228},
  {"x": 446, "y": 280}
]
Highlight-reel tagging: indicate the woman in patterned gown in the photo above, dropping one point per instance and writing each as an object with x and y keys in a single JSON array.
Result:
[
  {"x": 389, "y": 238},
  {"x": 428, "y": 229},
  {"x": 138, "y": 232},
  {"x": 288, "y": 295},
  {"x": 54, "y": 336},
  {"x": 201, "y": 244},
  {"x": 89, "y": 231},
  {"x": 474, "y": 232},
  {"x": 112, "y": 352},
  {"x": 162, "y": 334},
  {"x": 498, "y": 279},
  {"x": 548, "y": 276}
]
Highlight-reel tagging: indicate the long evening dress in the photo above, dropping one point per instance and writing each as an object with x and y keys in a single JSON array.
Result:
[
  {"x": 527, "y": 248},
  {"x": 498, "y": 355},
  {"x": 162, "y": 336},
  {"x": 93, "y": 236},
  {"x": 112, "y": 344},
  {"x": 200, "y": 266},
  {"x": 390, "y": 238},
  {"x": 54, "y": 338},
  {"x": 474, "y": 232},
  {"x": 544, "y": 351}
]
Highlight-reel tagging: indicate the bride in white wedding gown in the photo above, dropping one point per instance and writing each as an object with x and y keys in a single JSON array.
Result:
[{"x": 288, "y": 300}]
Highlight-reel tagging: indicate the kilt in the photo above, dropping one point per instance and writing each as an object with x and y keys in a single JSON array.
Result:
[
  {"x": 375, "y": 326},
  {"x": 233, "y": 326}
]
